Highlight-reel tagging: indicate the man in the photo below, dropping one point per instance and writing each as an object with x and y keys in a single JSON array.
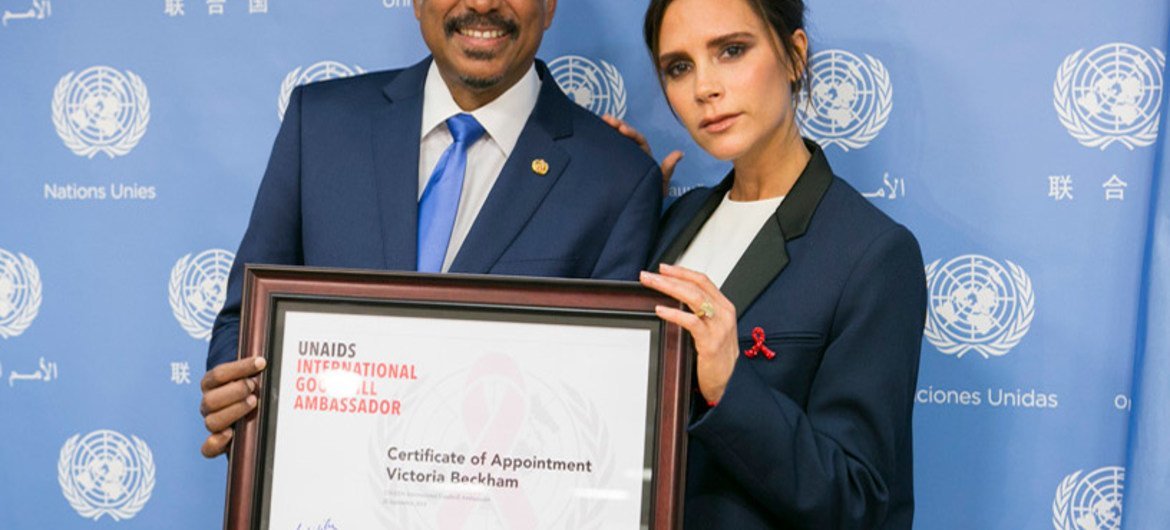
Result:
[{"x": 471, "y": 162}]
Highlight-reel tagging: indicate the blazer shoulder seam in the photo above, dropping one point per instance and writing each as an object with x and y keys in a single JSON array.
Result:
[{"x": 869, "y": 247}]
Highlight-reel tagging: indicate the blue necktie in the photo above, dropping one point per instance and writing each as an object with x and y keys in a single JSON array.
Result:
[{"x": 440, "y": 200}]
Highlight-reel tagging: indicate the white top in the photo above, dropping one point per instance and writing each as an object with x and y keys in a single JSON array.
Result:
[
  {"x": 503, "y": 120},
  {"x": 726, "y": 236}
]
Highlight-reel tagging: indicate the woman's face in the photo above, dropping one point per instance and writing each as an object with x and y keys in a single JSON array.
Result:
[{"x": 725, "y": 75}]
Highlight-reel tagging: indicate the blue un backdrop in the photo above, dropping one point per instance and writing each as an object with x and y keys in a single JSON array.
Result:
[{"x": 1023, "y": 143}]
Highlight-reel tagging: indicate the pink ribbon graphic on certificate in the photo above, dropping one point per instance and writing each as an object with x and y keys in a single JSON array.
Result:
[{"x": 493, "y": 410}]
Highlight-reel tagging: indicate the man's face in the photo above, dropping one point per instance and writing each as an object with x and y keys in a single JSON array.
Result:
[{"x": 483, "y": 45}]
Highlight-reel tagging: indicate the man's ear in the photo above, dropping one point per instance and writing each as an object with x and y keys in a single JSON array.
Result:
[{"x": 550, "y": 9}]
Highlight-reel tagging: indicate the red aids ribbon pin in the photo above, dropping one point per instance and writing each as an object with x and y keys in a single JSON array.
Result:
[{"x": 758, "y": 336}]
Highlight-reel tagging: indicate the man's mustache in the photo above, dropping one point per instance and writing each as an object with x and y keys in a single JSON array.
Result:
[{"x": 480, "y": 21}]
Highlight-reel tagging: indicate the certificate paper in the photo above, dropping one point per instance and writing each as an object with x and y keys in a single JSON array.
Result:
[{"x": 459, "y": 419}]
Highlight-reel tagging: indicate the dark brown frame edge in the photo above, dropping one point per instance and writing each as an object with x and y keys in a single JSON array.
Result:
[{"x": 262, "y": 283}]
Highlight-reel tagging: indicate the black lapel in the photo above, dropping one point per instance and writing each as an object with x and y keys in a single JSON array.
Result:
[
  {"x": 397, "y": 131},
  {"x": 681, "y": 240},
  {"x": 519, "y": 190},
  {"x": 766, "y": 256}
]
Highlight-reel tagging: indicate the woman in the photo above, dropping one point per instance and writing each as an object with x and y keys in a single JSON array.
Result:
[{"x": 807, "y": 302}]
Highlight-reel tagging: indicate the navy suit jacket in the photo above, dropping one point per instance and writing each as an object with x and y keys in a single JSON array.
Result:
[
  {"x": 341, "y": 190},
  {"x": 819, "y": 436}
]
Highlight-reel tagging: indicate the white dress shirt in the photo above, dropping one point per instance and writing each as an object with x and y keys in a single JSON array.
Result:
[
  {"x": 503, "y": 120},
  {"x": 726, "y": 236}
]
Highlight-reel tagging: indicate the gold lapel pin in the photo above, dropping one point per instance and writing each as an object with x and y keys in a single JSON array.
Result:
[{"x": 540, "y": 167}]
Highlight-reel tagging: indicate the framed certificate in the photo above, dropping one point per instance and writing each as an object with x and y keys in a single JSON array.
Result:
[{"x": 401, "y": 400}]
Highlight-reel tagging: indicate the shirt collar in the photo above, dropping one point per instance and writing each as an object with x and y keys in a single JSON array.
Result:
[{"x": 499, "y": 117}]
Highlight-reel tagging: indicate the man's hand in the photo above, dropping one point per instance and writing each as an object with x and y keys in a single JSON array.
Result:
[
  {"x": 228, "y": 395},
  {"x": 627, "y": 130}
]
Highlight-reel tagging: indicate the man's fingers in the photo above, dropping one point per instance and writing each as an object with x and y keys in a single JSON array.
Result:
[
  {"x": 636, "y": 136},
  {"x": 220, "y": 397},
  {"x": 216, "y": 444},
  {"x": 668, "y": 165},
  {"x": 228, "y": 372},
  {"x": 224, "y": 418},
  {"x": 227, "y": 397},
  {"x": 628, "y": 131}
]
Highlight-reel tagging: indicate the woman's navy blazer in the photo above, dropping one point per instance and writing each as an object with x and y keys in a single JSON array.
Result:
[{"x": 819, "y": 436}]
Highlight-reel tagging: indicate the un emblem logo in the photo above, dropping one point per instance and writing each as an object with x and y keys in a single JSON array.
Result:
[
  {"x": 1090, "y": 502},
  {"x": 20, "y": 293},
  {"x": 104, "y": 473},
  {"x": 977, "y": 304},
  {"x": 198, "y": 288},
  {"x": 1111, "y": 94},
  {"x": 101, "y": 110},
  {"x": 851, "y": 100},
  {"x": 321, "y": 71},
  {"x": 597, "y": 86}
]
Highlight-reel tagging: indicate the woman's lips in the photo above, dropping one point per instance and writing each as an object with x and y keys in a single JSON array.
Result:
[{"x": 720, "y": 123}]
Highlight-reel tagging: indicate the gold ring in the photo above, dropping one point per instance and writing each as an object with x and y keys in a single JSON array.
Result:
[{"x": 706, "y": 309}]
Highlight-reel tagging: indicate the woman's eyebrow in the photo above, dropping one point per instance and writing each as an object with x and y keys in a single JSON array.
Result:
[
  {"x": 715, "y": 42},
  {"x": 669, "y": 57},
  {"x": 730, "y": 37}
]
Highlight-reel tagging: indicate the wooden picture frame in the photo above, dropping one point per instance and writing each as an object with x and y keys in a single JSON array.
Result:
[{"x": 270, "y": 291}]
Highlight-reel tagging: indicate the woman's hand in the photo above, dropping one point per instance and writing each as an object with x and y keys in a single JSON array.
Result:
[
  {"x": 667, "y": 164},
  {"x": 712, "y": 323}
]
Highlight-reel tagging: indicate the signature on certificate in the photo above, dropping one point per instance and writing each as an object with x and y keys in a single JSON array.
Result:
[{"x": 327, "y": 525}]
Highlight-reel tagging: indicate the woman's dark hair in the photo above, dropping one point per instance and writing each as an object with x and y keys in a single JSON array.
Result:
[{"x": 784, "y": 16}]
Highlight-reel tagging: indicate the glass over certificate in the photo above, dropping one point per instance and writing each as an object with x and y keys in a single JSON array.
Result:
[{"x": 397, "y": 400}]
